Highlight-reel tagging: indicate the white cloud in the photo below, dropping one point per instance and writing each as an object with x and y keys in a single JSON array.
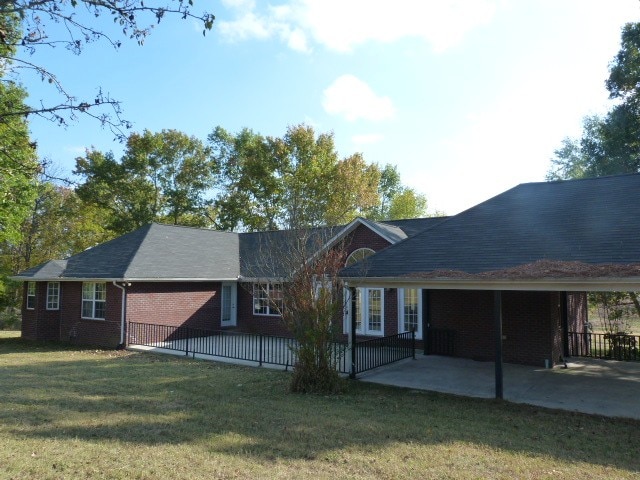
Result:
[
  {"x": 354, "y": 99},
  {"x": 367, "y": 138},
  {"x": 343, "y": 25},
  {"x": 245, "y": 27},
  {"x": 75, "y": 149}
]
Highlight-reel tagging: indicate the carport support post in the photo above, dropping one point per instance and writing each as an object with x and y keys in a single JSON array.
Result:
[
  {"x": 564, "y": 316},
  {"x": 497, "y": 316},
  {"x": 352, "y": 331}
]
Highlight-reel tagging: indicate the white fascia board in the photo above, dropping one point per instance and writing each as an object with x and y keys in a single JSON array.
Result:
[
  {"x": 262, "y": 279},
  {"x": 345, "y": 231},
  {"x": 87, "y": 279},
  {"x": 543, "y": 284},
  {"x": 19, "y": 278}
]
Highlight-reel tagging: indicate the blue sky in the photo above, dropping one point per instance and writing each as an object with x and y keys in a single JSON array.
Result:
[{"x": 467, "y": 98}]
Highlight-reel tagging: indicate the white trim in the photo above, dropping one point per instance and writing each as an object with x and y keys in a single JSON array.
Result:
[
  {"x": 233, "y": 301},
  {"x": 123, "y": 313},
  {"x": 35, "y": 295},
  {"x": 550, "y": 285},
  {"x": 57, "y": 303},
  {"x": 401, "y": 299},
  {"x": 93, "y": 302},
  {"x": 350, "y": 228},
  {"x": 19, "y": 278},
  {"x": 362, "y": 294},
  {"x": 370, "y": 251},
  {"x": 268, "y": 305}
]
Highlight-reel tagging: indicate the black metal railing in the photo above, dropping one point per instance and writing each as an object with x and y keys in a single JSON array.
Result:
[
  {"x": 269, "y": 349},
  {"x": 381, "y": 351},
  {"x": 440, "y": 341},
  {"x": 613, "y": 346}
]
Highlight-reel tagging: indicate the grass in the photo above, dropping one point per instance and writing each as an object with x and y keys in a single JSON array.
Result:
[{"x": 79, "y": 413}]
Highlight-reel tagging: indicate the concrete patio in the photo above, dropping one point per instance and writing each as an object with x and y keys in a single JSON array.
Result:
[{"x": 603, "y": 387}]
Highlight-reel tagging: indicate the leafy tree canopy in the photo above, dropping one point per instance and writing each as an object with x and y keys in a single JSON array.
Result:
[
  {"x": 299, "y": 180},
  {"x": 18, "y": 161},
  {"x": 162, "y": 177},
  {"x": 610, "y": 144}
]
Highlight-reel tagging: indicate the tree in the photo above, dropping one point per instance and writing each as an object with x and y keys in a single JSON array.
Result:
[
  {"x": 250, "y": 180},
  {"x": 407, "y": 204},
  {"x": 18, "y": 163},
  {"x": 354, "y": 193},
  {"x": 396, "y": 201},
  {"x": 299, "y": 181},
  {"x": 58, "y": 225},
  {"x": 82, "y": 22},
  {"x": 610, "y": 145},
  {"x": 162, "y": 177},
  {"x": 310, "y": 302}
]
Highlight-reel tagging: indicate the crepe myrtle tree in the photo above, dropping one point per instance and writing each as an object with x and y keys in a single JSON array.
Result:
[
  {"x": 74, "y": 24},
  {"x": 310, "y": 302}
]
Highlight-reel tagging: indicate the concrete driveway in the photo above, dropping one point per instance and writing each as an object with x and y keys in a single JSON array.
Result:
[{"x": 603, "y": 387}]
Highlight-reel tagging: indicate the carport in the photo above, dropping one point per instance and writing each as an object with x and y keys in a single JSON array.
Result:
[
  {"x": 602, "y": 387},
  {"x": 547, "y": 276},
  {"x": 564, "y": 236}
]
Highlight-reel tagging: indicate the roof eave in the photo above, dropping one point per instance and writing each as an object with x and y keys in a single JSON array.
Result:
[
  {"x": 605, "y": 284},
  {"x": 126, "y": 279}
]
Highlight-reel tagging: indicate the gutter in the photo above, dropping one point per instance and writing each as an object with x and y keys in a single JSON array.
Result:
[{"x": 121, "y": 345}]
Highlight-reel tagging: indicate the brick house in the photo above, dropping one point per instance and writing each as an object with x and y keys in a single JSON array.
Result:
[
  {"x": 172, "y": 275},
  {"x": 532, "y": 252}
]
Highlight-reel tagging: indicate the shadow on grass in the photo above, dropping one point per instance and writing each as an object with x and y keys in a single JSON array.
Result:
[{"x": 155, "y": 400}]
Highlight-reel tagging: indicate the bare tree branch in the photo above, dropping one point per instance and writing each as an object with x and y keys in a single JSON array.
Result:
[{"x": 84, "y": 22}]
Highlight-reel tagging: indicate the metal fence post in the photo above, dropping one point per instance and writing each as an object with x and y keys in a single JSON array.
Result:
[
  {"x": 260, "y": 350},
  {"x": 186, "y": 348},
  {"x": 354, "y": 303}
]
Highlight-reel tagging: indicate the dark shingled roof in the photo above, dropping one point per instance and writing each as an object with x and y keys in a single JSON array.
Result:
[
  {"x": 591, "y": 221},
  {"x": 161, "y": 252},
  {"x": 152, "y": 252},
  {"x": 264, "y": 254},
  {"x": 412, "y": 226}
]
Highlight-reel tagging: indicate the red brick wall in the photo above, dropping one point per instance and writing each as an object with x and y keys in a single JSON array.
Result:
[
  {"x": 469, "y": 314},
  {"x": 74, "y": 328},
  {"x": 363, "y": 237},
  {"x": 259, "y": 324},
  {"x": 530, "y": 322},
  {"x": 29, "y": 317},
  {"x": 40, "y": 323},
  {"x": 192, "y": 304},
  {"x": 532, "y": 325}
]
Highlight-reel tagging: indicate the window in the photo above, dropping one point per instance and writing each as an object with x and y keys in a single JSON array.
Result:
[
  {"x": 323, "y": 288},
  {"x": 369, "y": 311},
  {"x": 31, "y": 295},
  {"x": 359, "y": 254},
  {"x": 410, "y": 311},
  {"x": 53, "y": 295},
  {"x": 267, "y": 298},
  {"x": 94, "y": 300}
]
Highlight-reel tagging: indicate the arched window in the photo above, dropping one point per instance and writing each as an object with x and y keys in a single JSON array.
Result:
[{"x": 359, "y": 254}]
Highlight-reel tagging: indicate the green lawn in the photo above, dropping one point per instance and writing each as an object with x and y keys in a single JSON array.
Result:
[{"x": 81, "y": 413}]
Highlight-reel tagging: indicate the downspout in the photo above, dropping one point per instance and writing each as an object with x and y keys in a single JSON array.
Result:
[{"x": 122, "y": 314}]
